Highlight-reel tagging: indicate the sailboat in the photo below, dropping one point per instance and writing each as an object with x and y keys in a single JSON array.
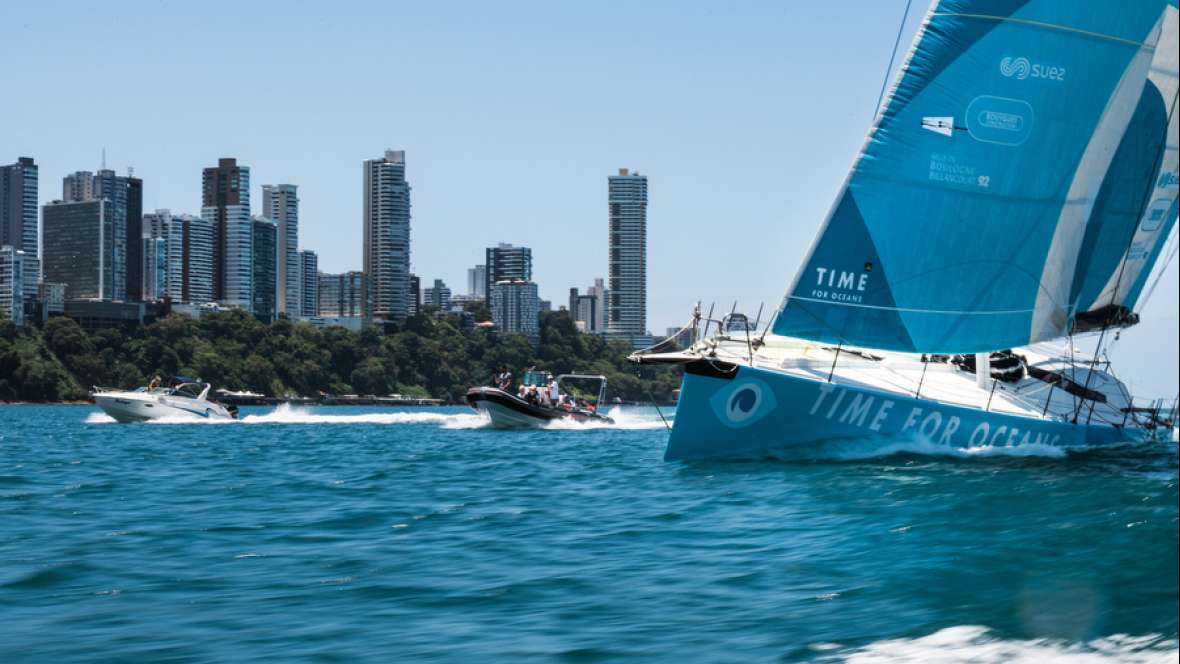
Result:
[{"x": 1016, "y": 190}]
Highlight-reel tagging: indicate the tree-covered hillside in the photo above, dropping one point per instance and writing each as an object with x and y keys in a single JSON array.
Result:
[{"x": 426, "y": 357}]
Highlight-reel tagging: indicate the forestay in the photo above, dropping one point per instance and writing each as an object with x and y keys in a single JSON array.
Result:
[{"x": 964, "y": 216}]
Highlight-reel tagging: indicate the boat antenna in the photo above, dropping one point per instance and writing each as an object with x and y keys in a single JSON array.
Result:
[{"x": 892, "y": 58}]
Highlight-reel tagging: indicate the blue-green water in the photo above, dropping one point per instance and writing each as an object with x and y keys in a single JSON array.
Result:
[{"x": 383, "y": 535}]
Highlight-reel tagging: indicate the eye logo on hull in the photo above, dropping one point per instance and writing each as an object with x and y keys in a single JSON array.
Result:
[{"x": 744, "y": 402}]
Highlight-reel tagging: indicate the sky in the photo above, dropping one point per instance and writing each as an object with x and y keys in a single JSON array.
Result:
[{"x": 745, "y": 117}]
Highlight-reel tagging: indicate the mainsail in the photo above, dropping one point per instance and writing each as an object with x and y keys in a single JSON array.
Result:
[
  {"x": 963, "y": 220},
  {"x": 1136, "y": 208}
]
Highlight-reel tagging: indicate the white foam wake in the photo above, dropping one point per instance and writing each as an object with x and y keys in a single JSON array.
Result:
[
  {"x": 875, "y": 448},
  {"x": 287, "y": 414},
  {"x": 624, "y": 419},
  {"x": 973, "y": 643}
]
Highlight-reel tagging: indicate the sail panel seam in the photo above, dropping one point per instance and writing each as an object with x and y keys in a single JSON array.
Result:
[
  {"x": 949, "y": 312},
  {"x": 1051, "y": 26}
]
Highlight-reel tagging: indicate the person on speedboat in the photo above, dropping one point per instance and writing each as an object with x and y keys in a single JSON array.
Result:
[
  {"x": 155, "y": 382},
  {"x": 554, "y": 392}
]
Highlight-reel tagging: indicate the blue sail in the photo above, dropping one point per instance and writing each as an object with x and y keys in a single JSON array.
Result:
[
  {"x": 1136, "y": 207},
  {"x": 962, "y": 221}
]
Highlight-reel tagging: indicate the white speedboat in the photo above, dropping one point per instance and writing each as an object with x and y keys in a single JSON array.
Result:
[{"x": 189, "y": 400}]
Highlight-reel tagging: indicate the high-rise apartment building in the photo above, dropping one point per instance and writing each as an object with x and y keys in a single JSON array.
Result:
[
  {"x": 415, "y": 295},
  {"x": 188, "y": 254},
  {"x": 80, "y": 248},
  {"x": 134, "y": 258},
  {"x": 516, "y": 307},
  {"x": 225, "y": 201},
  {"x": 627, "y": 304},
  {"x": 309, "y": 287},
  {"x": 505, "y": 262},
  {"x": 124, "y": 196},
  {"x": 18, "y": 217},
  {"x": 386, "y": 244},
  {"x": 12, "y": 286},
  {"x": 265, "y": 302},
  {"x": 477, "y": 282},
  {"x": 589, "y": 310},
  {"x": 342, "y": 295},
  {"x": 78, "y": 186},
  {"x": 155, "y": 269},
  {"x": 280, "y": 204},
  {"x": 437, "y": 296}
]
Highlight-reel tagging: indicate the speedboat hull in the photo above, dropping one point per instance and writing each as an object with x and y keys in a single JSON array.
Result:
[
  {"x": 507, "y": 411},
  {"x": 139, "y": 407},
  {"x": 731, "y": 411}
]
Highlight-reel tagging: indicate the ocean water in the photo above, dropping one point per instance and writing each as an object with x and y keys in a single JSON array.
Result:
[{"x": 387, "y": 535}]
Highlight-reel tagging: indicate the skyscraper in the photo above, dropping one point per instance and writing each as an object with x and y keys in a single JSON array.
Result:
[
  {"x": 80, "y": 248},
  {"x": 155, "y": 268},
  {"x": 387, "y": 236},
  {"x": 505, "y": 262},
  {"x": 516, "y": 307},
  {"x": 265, "y": 301},
  {"x": 589, "y": 310},
  {"x": 341, "y": 295},
  {"x": 415, "y": 295},
  {"x": 309, "y": 288},
  {"x": 627, "y": 304},
  {"x": 18, "y": 217},
  {"x": 135, "y": 263},
  {"x": 225, "y": 201},
  {"x": 124, "y": 196},
  {"x": 280, "y": 204},
  {"x": 12, "y": 288},
  {"x": 437, "y": 296},
  {"x": 188, "y": 253},
  {"x": 77, "y": 186},
  {"x": 477, "y": 281}
]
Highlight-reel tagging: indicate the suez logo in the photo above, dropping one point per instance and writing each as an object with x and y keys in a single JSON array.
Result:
[
  {"x": 1021, "y": 68},
  {"x": 1168, "y": 180}
]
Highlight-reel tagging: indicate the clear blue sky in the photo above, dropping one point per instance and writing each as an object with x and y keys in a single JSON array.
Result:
[{"x": 745, "y": 117}]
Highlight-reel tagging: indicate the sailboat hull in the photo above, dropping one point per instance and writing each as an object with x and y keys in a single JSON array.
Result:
[{"x": 732, "y": 411}]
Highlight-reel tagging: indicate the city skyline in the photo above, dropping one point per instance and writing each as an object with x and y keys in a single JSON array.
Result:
[{"x": 753, "y": 135}]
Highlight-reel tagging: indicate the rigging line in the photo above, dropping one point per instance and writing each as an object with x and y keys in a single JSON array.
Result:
[
  {"x": 1147, "y": 190},
  {"x": 1146, "y": 198},
  {"x": 892, "y": 58},
  {"x": 1163, "y": 268}
]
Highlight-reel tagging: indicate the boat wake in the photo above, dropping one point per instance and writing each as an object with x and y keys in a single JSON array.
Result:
[
  {"x": 858, "y": 449},
  {"x": 287, "y": 414},
  {"x": 973, "y": 643},
  {"x": 626, "y": 420}
]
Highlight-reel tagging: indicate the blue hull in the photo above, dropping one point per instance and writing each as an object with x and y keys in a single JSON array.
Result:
[{"x": 726, "y": 411}]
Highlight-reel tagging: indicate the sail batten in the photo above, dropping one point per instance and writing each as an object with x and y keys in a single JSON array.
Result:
[{"x": 960, "y": 226}]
